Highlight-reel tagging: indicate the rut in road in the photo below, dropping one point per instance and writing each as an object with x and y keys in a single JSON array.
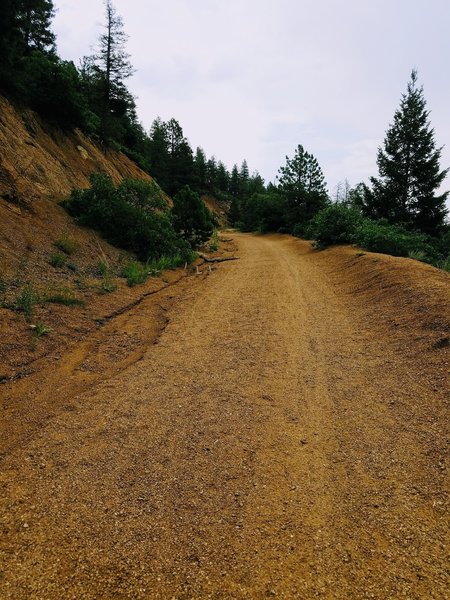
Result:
[{"x": 270, "y": 444}]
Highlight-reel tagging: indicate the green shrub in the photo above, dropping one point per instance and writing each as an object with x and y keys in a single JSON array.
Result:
[
  {"x": 57, "y": 260},
  {"x": 126, "y": 217},
  {"x": 67, "y": 245},
  {"x": 335, "y": 224},
  {"x": 378, "y": 236}
]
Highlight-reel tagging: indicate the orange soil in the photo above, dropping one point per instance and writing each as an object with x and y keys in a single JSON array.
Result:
[{"x": 274, "y": 428}]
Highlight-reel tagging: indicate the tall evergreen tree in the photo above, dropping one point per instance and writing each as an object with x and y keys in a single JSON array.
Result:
[
  {"x": 222, "y": 177},
  {"x": 211, "y": 173},
  {"x": 200, "y": 170},
  {"x": 33, "y": 21},
  {"x": 244, "y": 177},
  {"x": 114, "y": 65},
  {"x": 234, "y": 182},
  {"x": 256, "y": 184},
  {"x": 159, "y": 152},
  {"x": 190, "y": 217},
  {"x": 302, "y": 183},
  {"x": 24, "y": 29},
  {"x": 409, "y": 170}
]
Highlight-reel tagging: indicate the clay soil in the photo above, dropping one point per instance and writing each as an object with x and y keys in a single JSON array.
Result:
[{"x": 274, "y": 428}]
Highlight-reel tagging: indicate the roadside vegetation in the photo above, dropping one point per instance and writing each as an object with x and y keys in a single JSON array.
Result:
[
  {"x": 402, "y": 211},
  {"x": 135, "y": 216}
]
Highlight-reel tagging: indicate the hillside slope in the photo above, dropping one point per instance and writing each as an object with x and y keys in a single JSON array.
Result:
[
  {"x": 38, "y": 161},
  {"x": 39, "y": 165}
]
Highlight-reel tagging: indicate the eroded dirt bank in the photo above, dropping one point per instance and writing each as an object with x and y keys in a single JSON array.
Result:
[{"x": 285, "y": 437}]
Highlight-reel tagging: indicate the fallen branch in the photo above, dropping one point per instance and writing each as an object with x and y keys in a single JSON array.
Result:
[{"x": 219, "y": 259}]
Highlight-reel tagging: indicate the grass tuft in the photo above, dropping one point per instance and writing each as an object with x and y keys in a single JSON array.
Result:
[
  {"x": 135, "y": 273},
  {"x": 26, "y": 300},
  {"x": 67, "y": 245},
  {"x": 66, "y": 297},
  {"x": 57, "y": 260}
]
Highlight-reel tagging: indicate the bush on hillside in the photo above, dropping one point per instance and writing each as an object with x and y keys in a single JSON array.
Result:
[
  {"x": 128, "y": 216},
  {"x": 338, "y": 224},
  {"x": 378, "y": 236},
  {"x": 335, "y": 224}
]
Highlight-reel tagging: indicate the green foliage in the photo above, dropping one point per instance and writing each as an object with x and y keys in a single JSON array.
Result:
[
  {"x": 339, "y": 224},
  {"x": 52, "y": 87},
  {"x": 40, "y": 330},
  {"x": 390, "y": 239},
  {"x": 26, "y": 300},
  {"x": 126, "y": 216},
  {"x": 135, "y": 273},
  {"x": 443, "y": 264},
  {"x": 409, "y": 171},
  {"x": 191, "y": 218},
  {"x": 67, "y": 245},
  {"x": 145, "y": 196},
  {"x": 302, "y": 183},
  {"x": 263, "y": 212},
  {"x": 107, "y": 286},
  {"x": 335, "y": 224},
  {"x": 103, "y": 268},
  {"x": 66, "y": 297},
  {"x": 169, "y": 262},
  {"x": 170, "y": 156},
  {"x": 57, "y": 260},
  {"x": 213, "y": 244}
]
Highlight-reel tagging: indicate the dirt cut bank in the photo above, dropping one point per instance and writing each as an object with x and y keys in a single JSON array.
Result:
[{"x": 285, "y": 437}]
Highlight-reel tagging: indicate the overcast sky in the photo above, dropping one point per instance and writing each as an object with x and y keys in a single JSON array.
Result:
[{"x": 254, "y": 78}]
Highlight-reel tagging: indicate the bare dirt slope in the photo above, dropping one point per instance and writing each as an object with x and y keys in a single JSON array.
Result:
[
  {"x": 39, "y": 161},
  {"x": 282, "y": 436}
]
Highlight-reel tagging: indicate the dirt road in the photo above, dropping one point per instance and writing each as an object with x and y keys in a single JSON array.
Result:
[{"x": 284, "y": 437}]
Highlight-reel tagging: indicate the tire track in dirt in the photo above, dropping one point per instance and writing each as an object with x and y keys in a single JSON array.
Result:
[{"x": 269, "y": 445}]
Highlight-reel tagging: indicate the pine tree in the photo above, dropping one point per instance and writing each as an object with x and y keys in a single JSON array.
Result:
[
  {"x": 191, "y": 218},
  {"x": 222, "y": 177},
  {"x": 33, "y": 21},
  {"x": 159, "y": 158},
  {"x": 302, "y": 183},
  {"x": 24, "y": 30},
  {"x": 244, "y": 176},
  {"x": 200, "y": 170},
  {"x": 409, "y": 171},
  {"x": 114, "y": 65},
  {"x": 211, "y": 173},
  {"x": 181, "y": 160},
  {"x": 234, "y": 182}
]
